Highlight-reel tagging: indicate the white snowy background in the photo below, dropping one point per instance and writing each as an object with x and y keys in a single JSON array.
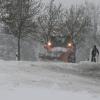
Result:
[
  {"x": 49, "y": 81},
  {"x": 67, "y": 3}
]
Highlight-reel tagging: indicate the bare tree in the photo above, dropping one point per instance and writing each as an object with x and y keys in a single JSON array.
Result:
[
  {"x": 94, "y": 12},
  {"x": 77, "y": 22},
  {"x": 50, "y": 20},
  {"x": 19, "y": 17}
]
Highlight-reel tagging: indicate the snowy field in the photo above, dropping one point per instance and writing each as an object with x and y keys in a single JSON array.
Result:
[{"x": 49, "y": 81}]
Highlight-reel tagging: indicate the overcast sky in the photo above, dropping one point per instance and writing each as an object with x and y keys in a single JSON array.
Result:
[{"x": 70, "y": 2}]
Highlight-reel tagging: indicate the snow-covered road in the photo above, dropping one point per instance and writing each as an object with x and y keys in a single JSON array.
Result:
[
  {"x": 49, "y": 80},
  {"x": 44, "y": 94}
]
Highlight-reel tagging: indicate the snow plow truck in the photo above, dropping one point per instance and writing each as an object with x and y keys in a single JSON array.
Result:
[{"x": 59, "y": 48}]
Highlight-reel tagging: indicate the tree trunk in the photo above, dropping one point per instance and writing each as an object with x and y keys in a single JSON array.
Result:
[
  {"x": 74, "y": 53},
  {"x": 74, "y": 49},
  {"x": 19, "y": 28},
  {"x": 74, "y": 59},
  {"x": 19, "y": 40}
]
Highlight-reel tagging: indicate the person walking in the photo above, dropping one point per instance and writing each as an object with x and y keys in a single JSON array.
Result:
[{"x": 94, "y": 53}]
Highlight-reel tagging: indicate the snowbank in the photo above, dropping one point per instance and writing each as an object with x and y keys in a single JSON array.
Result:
[
  {"x": 43, "y": 94},
  {"x": 48, "y": 80}
]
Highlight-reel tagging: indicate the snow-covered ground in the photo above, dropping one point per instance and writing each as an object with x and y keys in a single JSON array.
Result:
[{"x": 49, "y": 81}]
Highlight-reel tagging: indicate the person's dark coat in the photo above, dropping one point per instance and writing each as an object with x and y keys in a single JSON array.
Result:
[{"x": 95, "y": 51}]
